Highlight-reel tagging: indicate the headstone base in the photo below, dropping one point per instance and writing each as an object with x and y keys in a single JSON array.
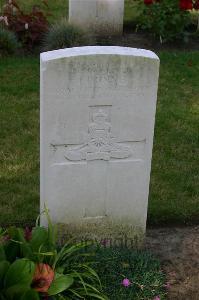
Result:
[{"x": 103, "y": 232}]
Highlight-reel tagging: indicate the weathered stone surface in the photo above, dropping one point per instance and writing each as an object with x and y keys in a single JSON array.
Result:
[
  {"x": 97, "y": 121},
  {"x": 102, "y": 17}
]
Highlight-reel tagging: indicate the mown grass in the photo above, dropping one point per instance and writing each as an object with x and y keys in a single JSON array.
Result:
[
  {"x": 174, "y": 192},
  {"x": 19, "y": 135}
]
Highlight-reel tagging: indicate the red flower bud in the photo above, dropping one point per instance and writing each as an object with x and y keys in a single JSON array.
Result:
[
  {"x": 42, "y": 278},
  {"x": 148, "y": 2},
  {"x": 186, "y": 4}
]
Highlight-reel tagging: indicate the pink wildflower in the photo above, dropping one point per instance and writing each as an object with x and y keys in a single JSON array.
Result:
[
  {"x": 26, "y": 26},
  {"x": 157, "y": 298},
  {"x": 167, "y": 286},
  {"x": 104, "y": 242},
  {"x": 126, "y": 282},
  {"x": 4, "y": 19},
  {"x": 6, "y": 238}
]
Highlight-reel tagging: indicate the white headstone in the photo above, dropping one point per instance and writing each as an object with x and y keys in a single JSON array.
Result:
[
  {"x": 102, "y": 17},
  {"x": 97, "y": 121}
]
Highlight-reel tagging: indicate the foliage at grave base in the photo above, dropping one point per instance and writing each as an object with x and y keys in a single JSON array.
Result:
[
  {"x": 64, "y": 35},
  {"x": 166, "y": 19},
  {"x": 33, "y": 267},
  {"x": 8, "y": 42}
]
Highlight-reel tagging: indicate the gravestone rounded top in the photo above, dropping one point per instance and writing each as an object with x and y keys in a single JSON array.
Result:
[{"x": 97, "y": 50}]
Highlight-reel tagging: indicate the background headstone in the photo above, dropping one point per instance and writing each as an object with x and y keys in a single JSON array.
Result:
[
  {"x": 101, "y": 17},
  {"x": 97, "y": 122}
]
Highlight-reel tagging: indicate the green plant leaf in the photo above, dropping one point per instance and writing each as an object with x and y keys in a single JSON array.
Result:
[
  {"x": 52, "y": 229},
  {"x": 2, "y": 253},
  {"x": 39, "y": 237},
  {"x": 96, "y": 296},
  {"x": 68, "y": 251},
  {"x": 60, "y": 270},
  {"x": 11, "y": 248},
  {"x": 30, "y": 295},
  {"x": 60, "y": 284},
  {"x": 2, "y": 232},
  {"x": 76, "y": 294},
  {"x": 92, "y": 272},
  {"x": 24, "y": 245},
  {"x": 4, "y": 266},
  {"x": 12, "y": 251},
  {"x": 21, "y": 271},
  {"x": 81, "y": 280},
  {"x": 2, "y": 297},
  {"x": 16, "y": 291},
  {"x": 17, "y": 244}
]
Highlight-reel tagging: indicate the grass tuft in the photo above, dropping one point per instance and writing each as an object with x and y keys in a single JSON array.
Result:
[
  {"x": 8, "y": 42},
  {"x": 64, "y": 35}
]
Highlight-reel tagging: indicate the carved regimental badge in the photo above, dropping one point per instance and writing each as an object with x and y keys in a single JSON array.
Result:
[{"x": 100, "y": 145}]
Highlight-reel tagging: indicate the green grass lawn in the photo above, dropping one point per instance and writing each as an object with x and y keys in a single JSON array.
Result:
[
  {"x": 174, "y": 196},
  {"x": 174, "y": 190}
]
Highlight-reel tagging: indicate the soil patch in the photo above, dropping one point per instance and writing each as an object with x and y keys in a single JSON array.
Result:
[
  {"x": 145, "y": 41},
  {"x": 178, "y": 250}
]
